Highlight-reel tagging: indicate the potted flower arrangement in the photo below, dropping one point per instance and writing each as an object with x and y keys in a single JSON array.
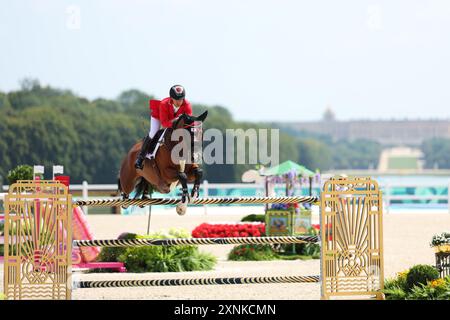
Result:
[{"x": 441, "y": 243}]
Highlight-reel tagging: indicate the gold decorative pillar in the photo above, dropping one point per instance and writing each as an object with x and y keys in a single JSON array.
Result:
[
  {"x": 38, "y": 241},
  {"x": 351, "y": 238}
]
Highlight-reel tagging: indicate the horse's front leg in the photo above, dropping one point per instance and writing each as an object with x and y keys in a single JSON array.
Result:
[
  {"x": 198, "y": 174},
  {"x": 124, "y": 197},
  {"x": 184, "y": 187},
  {"x": 185, "y": 199}
]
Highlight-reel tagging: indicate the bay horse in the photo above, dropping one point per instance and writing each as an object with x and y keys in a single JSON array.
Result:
[{"x": 164, "y": 173}]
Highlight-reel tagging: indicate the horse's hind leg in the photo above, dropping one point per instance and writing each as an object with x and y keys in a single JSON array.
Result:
[
  {"x": 126, "y": 184},
  {"x": 122, "y": 193},
  {"x": 125, "y": 188},
  {"x": 145, "y": 191},
  {"x": 142, "y": 190},
  {"x": 138, "y": 188}
]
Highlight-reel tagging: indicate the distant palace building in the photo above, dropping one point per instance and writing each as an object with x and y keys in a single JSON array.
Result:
[{"x": 386, "y": 132}]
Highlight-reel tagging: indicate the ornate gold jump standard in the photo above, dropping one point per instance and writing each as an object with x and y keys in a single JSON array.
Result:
[
  {"x": 352, "y": 241},
  {"x": 38, "y": 241}
]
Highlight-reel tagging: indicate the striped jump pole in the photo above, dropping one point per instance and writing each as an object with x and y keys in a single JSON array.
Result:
[
  {"x": 191, "y": 282},
  {"x": 172, "y": 201},
  {"x": 194, "y": 241}
]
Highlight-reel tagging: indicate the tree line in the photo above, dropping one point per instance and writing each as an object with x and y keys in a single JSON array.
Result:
[{"x": 48, "y": 126}]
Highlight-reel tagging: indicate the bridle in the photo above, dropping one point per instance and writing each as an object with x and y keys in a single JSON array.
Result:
[{"x": 185, "y": 126}]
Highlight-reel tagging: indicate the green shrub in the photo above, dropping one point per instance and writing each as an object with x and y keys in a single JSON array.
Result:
[
  {"x": 25, "y": 228},
  {"x": 303, "y": 249},
  {"x": 167, "y": 258},
  {"x": 399, "y": 281},
  {"x": 394, "y": 293},
  {"x": 420, "y": 274},
  {"x": 258, "y": 252},
  {"x": 402, "y": 287},
  {"x": 2, "y": 296},
  {"x": 254, "y": 218},
  {"x": 21, "y": 172},
  {"x": 2, "y": 250},
  {"x": 25, "y": 245},
  {"x": 112, "y": 254},
  {"x": 308, "y": 249},
  {"x": 395, "y": 289},
  {"x": 252, "y": 252},
  {"x": 435, "y": 290}
]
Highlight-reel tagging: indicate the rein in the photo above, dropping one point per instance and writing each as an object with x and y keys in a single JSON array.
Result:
[
  {"x": 192, "y": 125},
  {"x": 169, "y": 131},
  {"x": 185, "y": 126}
]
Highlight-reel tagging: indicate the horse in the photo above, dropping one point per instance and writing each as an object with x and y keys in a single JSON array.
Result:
[{"x": 164, "y": 173}]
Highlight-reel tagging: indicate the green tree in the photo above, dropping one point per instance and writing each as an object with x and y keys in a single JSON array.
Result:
[
  {"x": 135, "y": 102},
  {"x": 436, "y": 153},
  {"x": 48, "y": 126},
  {"x": 314, "y": 154},
  {"x": 4, "y": 102}
]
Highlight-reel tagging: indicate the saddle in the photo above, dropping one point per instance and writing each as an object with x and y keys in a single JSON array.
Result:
[{"x": 155, "y": 143}]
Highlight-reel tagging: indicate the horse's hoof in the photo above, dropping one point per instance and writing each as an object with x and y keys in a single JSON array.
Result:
[{"x": 181, "y": 208}]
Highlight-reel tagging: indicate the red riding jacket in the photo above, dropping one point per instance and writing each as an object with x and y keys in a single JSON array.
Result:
[{"x": 163, "y": 111}]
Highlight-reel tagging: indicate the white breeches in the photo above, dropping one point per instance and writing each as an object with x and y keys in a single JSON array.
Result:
[{"x": 155, "y": 124}]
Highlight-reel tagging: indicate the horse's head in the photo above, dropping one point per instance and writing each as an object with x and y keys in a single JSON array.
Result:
[
  {"x": 192, "y": 126},
  {"x": 186, "y": 121}
]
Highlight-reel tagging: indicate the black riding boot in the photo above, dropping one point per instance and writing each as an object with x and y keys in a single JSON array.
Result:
[{"x": 141, "y": 156}]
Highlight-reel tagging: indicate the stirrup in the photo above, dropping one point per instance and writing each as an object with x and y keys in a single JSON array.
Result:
[{"x": 152, "y": 155}]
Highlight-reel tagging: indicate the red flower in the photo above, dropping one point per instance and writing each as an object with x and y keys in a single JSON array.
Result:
[{"x": 228, "y": 230}]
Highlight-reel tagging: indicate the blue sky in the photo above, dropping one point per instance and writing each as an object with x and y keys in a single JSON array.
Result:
[{"x": 264, "y": 60}]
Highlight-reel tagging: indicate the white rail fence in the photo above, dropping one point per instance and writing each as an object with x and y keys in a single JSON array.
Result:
[{"x": 389, "y": 197}]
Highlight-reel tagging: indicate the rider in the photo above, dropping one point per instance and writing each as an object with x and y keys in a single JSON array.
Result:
[{"x": 164, "y": 113}]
